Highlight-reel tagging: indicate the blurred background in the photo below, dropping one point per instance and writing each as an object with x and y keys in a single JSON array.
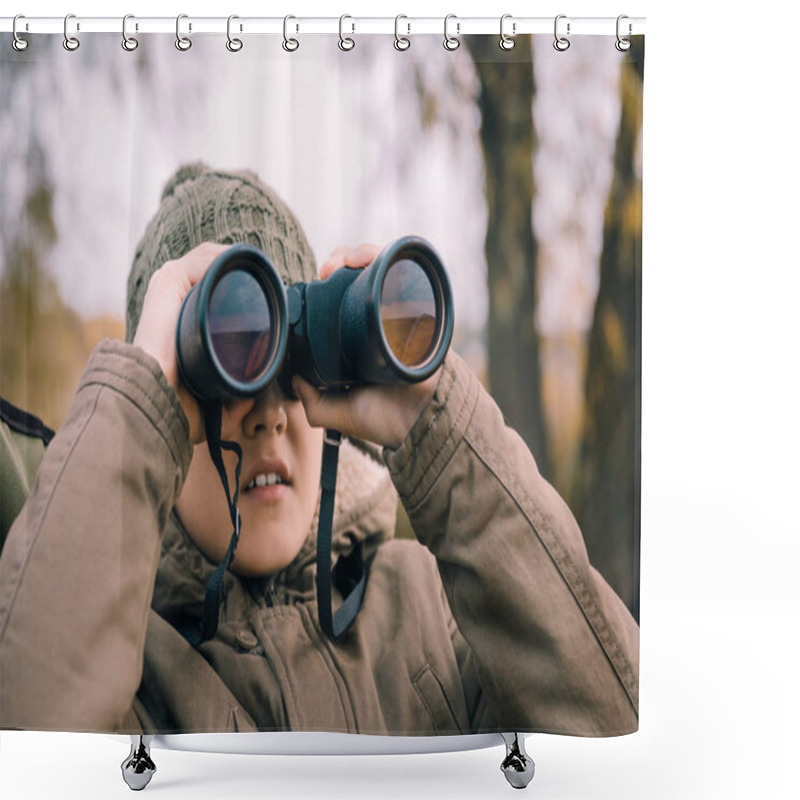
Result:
[{"x": 523, "y": 169}]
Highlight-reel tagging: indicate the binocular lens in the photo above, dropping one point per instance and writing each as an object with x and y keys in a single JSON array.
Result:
[
  {"x": 408, "y": 313},
  {"x": 240, "y": 326},
  {"x": 232, "y": 330}
]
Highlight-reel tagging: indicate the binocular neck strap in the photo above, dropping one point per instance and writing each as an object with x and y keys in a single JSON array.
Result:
[
  {"x": 212, "y": 414},
  {"x": 350, "y": 570}
]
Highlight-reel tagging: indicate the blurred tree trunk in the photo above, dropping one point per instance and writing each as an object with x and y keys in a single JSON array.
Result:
[
  {"x": 31, "y": 312},
  {"x": 606, "y": 498},
  {"x": 508, "y": 142}
]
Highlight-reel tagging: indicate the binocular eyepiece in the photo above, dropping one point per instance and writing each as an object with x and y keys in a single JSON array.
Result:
[{"x": 240, "y": 327}]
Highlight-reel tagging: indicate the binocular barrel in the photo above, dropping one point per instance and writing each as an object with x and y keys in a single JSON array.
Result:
[
  {"x": 233, "y": 326},
  {"x": 240, "y": 327}
]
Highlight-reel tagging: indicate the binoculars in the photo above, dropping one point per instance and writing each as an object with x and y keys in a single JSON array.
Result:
[{"x": 240, "y": 327}]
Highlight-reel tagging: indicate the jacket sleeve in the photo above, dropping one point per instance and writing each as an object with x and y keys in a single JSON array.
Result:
[
  {"x": 553, "y": 647},
  {"x": 78, "y": 568}
]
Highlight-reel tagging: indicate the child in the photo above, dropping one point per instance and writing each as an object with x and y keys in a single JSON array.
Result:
[{"x": 497, "y": 623}]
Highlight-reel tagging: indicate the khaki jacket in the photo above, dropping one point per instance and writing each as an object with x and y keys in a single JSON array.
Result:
[{"x": 496, "y": 621}]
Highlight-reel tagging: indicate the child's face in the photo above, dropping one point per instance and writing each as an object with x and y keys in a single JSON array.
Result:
[{"x": 277, "y": 443}]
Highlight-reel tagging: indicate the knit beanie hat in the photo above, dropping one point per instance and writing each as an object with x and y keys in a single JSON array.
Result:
[{"x": 198, "y": 205}]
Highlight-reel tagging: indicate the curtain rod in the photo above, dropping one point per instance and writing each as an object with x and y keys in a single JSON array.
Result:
[{"x": 346, "y": 25}]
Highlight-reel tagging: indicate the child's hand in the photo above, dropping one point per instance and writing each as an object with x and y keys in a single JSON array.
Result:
[
  {"x": 381, "y": 414},
  {"x": 159, "y": 320}
]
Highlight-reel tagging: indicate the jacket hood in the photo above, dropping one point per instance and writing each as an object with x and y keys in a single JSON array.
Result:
[{"x": 364, "y": 511}]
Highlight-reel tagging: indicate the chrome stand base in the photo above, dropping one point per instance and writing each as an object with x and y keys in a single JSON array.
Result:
[
  {"x": 518, "y": 766},
  {"x": 138, "y": 768}
]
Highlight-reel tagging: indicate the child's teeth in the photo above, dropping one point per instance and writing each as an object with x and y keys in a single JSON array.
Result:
[{"x": 266, "y": 480}]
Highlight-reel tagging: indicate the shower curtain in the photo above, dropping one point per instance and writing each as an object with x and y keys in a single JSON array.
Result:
[{"x": 499, "y": 534}]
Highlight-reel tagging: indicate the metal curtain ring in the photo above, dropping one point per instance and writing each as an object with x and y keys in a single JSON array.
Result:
[
  {"x": 507, "y": 42},
  {"x": 289, "y": 45},
  {"x": 451, "y": 42},
  {"x": 129, "y": 43},
  {"x": 561, "y": 43},
  {"x": 401, "y": 42},
  {"x": 623, "y": 44},
  {"x": 70, "y": 42},
  {"x": 18, "y": 43},
  {"x": 182, "y": 42},
  {"x": 345, "y": 42},
  {"x": 233, "y": 44}
]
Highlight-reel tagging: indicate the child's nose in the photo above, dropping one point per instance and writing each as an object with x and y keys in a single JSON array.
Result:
[{"x": 268, "y": 412}]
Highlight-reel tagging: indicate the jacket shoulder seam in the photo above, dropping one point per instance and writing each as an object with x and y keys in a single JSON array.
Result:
[
  {"x": 448, "y": 447},
  {"x": 148, "y": 409}
]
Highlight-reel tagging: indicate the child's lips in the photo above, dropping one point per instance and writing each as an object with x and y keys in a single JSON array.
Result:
[
  {"x": 267, "y": 494},
  {"x": 267, "y": 478}
]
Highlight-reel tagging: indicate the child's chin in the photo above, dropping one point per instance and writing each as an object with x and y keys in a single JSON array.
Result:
[{"x": 271, "y": 552}]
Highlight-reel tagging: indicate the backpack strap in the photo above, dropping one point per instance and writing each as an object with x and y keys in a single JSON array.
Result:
[{"x": 24, "y": 423}]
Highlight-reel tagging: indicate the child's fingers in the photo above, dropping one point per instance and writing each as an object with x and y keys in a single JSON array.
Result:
[
  {"x": 171, "y": 283},
  {"x": 188, "y": 270},
  {"x": 361, "y": 255},
  {"x": 380, "y": 414},
  {"x": 155, "y": 333},
  {"x": 329, "y": 410}
]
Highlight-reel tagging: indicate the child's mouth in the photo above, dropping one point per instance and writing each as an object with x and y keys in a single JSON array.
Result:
[
  {"x": 268, "y": 479},
  {"x": 265, "y": 479}
]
